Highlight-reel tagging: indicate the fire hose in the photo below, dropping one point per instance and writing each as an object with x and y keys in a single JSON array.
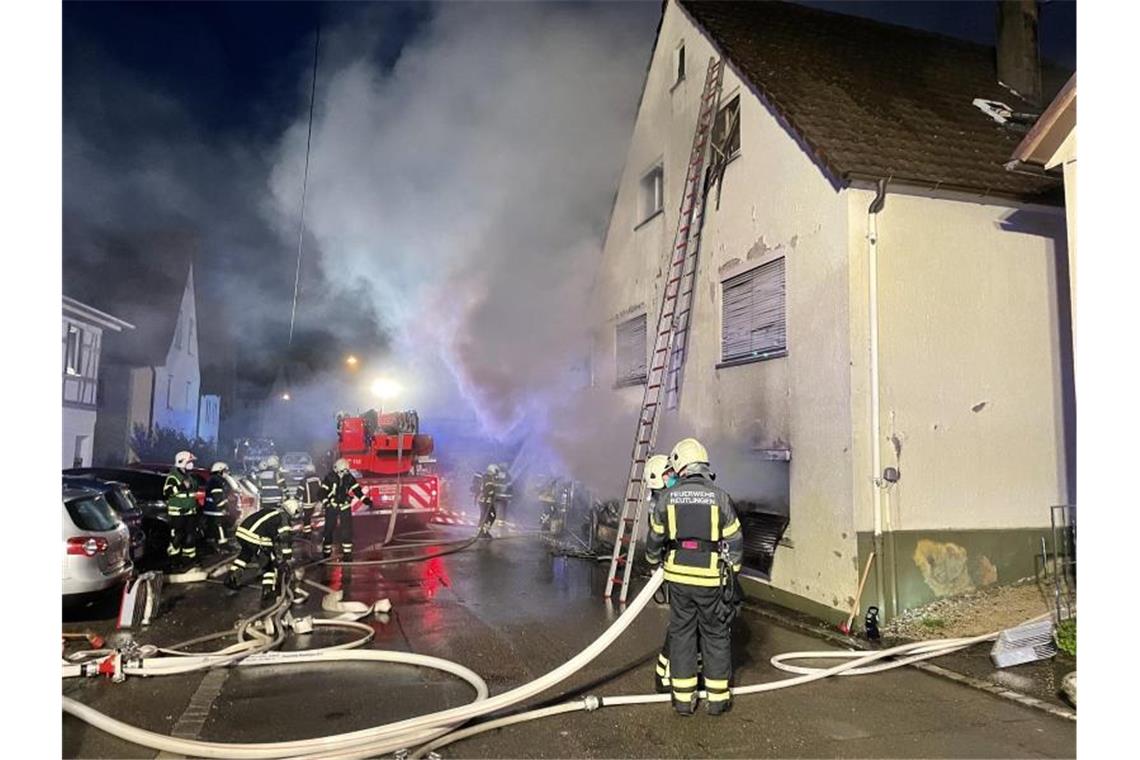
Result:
[{"x": 438, "y": 729}]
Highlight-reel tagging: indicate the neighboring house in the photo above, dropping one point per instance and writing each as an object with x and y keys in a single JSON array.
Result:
[
  {"x": 874, "y": 291},
  {"x": 152, "y": 380},
  {"x": 1052, "y": 144},
  {"x": 83, "y": 328}
]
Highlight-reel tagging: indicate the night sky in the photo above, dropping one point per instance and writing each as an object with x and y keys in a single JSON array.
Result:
[{"x": 174, "y": 114}]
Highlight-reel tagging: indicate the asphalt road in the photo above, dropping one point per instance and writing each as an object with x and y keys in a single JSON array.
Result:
[{"x": 511, "y": 612}]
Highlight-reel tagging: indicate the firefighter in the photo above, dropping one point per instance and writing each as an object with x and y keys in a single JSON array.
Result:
[
  {"x": 180, "y": 492},
  {"x": 216, "y": 509},
  {"x": 339, "y": 490},
  {"x": 656, "y": 471},
  {"x": 265, "y": 539},
  {"x": 270, "y": 482},
  {"x": 488, "y": 499},
  {"x": 309, "y": 494},
  {"x": 706, "y": 548}
]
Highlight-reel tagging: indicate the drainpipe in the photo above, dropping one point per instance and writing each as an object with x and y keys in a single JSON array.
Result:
[{"x": 876, "y": 436}]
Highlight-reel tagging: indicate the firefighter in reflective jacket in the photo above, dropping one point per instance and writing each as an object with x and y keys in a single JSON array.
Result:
[
  {"x": 705, "y": 550},
  {"x": 339, "y": 490},
  {"x": 271, "y": 483},
  {"x": 265, "y": 537},
  {"x": 216, "y": 509},
  {"x": 309, "y": 493},
  {"x": 658, "y": 474},
  {"x": 180, "y": 492}
]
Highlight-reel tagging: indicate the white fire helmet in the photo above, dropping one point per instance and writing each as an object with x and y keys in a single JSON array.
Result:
[
  {"x": 219, "y": 467},
  {"x": 655, "y": 468},
  {"x": 272, "y": 463},
  {"x": 291, "y": 506},
  {"x": 183, "y": 460},
  {"x": 340, "y": 466},
  {"x": 492, "y": 469},
  {"x": 688, "y": 451}
]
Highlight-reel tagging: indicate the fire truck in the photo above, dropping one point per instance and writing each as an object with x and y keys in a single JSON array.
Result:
[{"x": 391, "y": 460}]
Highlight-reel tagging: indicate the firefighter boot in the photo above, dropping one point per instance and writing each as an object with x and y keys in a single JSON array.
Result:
[
  {"x": 268, "y": 595},
  {"x": 233, "y": 580},
  {"x": 686, "y": 709},
  {"x": 719, "y": 708}
]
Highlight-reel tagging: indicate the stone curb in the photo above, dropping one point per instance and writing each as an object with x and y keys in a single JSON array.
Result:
[{"x": 936, "y": 670}]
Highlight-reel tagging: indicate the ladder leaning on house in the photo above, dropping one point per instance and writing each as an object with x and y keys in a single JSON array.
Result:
[{"x": 669, "y": 339}]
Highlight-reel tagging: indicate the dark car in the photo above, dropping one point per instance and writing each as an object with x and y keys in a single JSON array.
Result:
[
  {"x": 146, "y": 486},
  {"x": 119, "y": 496}
]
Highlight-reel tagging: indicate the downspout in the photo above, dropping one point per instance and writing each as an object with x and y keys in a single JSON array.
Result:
[{"x": 876, "y": 435}]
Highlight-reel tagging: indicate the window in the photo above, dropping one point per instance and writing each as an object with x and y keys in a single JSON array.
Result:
[
  {"x": 726, "y": 131},
  {"x": 169, "y": 391},
  {"x": 178, "y": 332},
  {"x": 190, "y": 339},
  {"x": 74, "y": 358},
  {"x": 679, "y": 63},
  {"x": 629, "y": 345},
  {"x": 752, "y": 316},
  {"x": 187, "y": 406},
  {"x": 652, "y": 192}
]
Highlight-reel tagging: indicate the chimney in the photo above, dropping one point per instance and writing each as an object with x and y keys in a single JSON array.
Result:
[{"x": 1018, "y": 65}]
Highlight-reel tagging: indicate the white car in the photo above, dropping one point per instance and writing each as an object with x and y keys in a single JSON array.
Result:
[{"x": 96, "y": 543}]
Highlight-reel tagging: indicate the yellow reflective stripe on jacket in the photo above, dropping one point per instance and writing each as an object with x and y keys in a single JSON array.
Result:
[
  {"x": 246, "y": 535},
  {"x": 655, "y": 526},
  {"x": 671, "y": 509},
  {"x": 732, "y": 529},
  {"x": 714, "y": 519}
]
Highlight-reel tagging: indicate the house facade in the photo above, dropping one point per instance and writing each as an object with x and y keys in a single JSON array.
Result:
[
  {"x": 82, "y": 340},
  {"x": 873, "y": 291}
]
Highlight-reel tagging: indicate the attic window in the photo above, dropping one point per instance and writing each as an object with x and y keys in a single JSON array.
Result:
[
  {"x": 679, "y": 63},
  {"x": 726, "y": 130},
  {"x": 74, "y": 350},
  {"x": 652, "y": 192}
]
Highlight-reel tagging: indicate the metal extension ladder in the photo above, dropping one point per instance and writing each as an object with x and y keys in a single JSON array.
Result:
[{"x": 672, "y": 322}]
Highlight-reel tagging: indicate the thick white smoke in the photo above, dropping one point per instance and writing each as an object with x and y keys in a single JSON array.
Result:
[{"x": 469, "y": 186}]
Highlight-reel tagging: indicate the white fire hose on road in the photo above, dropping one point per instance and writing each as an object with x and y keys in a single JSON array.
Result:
[{"x": 434, "y": 730}]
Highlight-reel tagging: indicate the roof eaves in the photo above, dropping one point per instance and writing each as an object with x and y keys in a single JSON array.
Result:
[{"x": 1041, "y": 130}]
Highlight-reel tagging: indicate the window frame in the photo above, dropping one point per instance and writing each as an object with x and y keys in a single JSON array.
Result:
[
  {"x": 169, "y": 391},
  {"x": 678, "y": 69},
  {"x": 73, "y": 352},
  {"x": 736, "y": 278},
  {"x": 630, "y": 380},
  {"x": 643, "y": 213},
  {"x": 734, "y": 96}
]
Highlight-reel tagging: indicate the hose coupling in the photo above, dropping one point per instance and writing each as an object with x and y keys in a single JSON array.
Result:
[
  {"x": 592, "y": 703},
  {"x": 401, "y": 754}
]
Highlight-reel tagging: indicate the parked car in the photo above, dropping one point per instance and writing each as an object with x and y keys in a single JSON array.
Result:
[
  {"x": 296, "y": 466},
  {"x": 250, "y": 452},
  {"x": 119, "y": 496},
  {"x": 96, "y": 543}
]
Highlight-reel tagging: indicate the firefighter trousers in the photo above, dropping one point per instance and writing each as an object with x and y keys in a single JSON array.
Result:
[
  {"x": 696, "y": 627},
  {"x": 307, "y": 519},
  {"x": 661, "y": 672},
  {"x": 338, "y": 526},
  {"x": 256, "y": 556},
  {"x": 488, "y": 518},
  {"x": 214, "y": 527},
  {"x": 183, "y": 541}
]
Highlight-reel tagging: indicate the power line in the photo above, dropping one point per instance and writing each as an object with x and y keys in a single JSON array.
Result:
[{"x": 304, "y": 191}]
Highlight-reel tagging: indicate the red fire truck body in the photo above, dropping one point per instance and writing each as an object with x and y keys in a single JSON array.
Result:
[{"x": 387, "y": 452}]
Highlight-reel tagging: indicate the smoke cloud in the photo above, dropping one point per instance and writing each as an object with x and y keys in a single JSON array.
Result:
[{"x": 469, "y": 185}]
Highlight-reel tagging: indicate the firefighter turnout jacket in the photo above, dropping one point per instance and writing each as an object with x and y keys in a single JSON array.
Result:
[
  {"x": 216, "y": 496},
  {"x": 267, "y": 527},
  {"x": 340, "y": 490},
  {"x": 310, "y": 491},
  {"x": 689, "y": 521},
  {"x": 180, "y": 492},
  {"x": 271, "y": 485}
]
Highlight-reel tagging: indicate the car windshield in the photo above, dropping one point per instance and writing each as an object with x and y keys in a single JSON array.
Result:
[
  {"x": 297, "y": 459},
  {"x": 92, "y": 513}
]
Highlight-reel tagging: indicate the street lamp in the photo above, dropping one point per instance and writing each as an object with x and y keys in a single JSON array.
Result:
[
  {"x": 284, "y": 396},
  {"x": 351, "y": 361}
]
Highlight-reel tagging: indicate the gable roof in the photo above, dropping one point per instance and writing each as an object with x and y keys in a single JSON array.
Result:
[{"x": 869, "y": 100}]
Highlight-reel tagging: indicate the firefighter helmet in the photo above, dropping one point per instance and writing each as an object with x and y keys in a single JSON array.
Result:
[
  {"x": 183, "y": 460},
  {"x": 688, "y": 451},
  {"x": 219, "y": 467},
  {"x": 492, "y": 469},
  {"x": 655, "y": 468},
  {"x": 291, "y": 506},
  {"x": 272, "y": 462},
  {"x": 340, "y": 466}
]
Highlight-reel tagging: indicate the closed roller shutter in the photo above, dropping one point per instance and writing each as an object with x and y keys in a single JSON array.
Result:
[
  {"x": 753, "y": 318},
  {"x": 630, "y": 347}
]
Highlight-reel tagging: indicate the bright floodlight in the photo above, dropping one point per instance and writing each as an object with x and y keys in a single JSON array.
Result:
[
  {"x": 351, "y": 360},
  {"x": 284, "y": 396},
  {"x": 385, "y": 388}
]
